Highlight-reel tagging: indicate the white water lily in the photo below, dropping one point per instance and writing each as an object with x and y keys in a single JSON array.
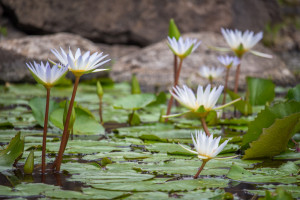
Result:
[
  {"x": 206, "y": 98},
  {"x": 211, "y": 72},
  {"x": 182, "y": 48},
  {"x": 207, "y": 147},
  {"x": 46, "y": 75},
  {"x": 229, "y": 61},
  {"x": 241, "y": 43},
  {"x": 81, "y": 63}
]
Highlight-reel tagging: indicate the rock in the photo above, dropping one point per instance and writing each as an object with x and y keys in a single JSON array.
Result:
[
  {"x": 137, "y": 22},
  {"x": 16, "y": 52},
  {"x": 153, "y": 65}
]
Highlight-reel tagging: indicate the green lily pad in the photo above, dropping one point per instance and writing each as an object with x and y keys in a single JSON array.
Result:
[
  {"x": 294, "y": 93},
  {"x": 274, "y": 139},
  {"x": 13, "y": 150},
  {"x": 266, "y": 118},
  {"x": 134, "y": 101},
  {"x": 38, "y": 106}
]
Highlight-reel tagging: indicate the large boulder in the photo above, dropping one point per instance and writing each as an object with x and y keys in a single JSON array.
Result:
[
  {"x": 153, "y": 65},
  {"x": 15, "y": 53},
  {"x": 134, "y": 21}
]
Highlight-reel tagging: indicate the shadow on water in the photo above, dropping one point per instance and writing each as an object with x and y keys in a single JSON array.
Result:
[{"x": 12, "y": 178}]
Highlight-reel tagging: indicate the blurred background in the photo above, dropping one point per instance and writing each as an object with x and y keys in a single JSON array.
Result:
[{"x": 134, "y": 33}]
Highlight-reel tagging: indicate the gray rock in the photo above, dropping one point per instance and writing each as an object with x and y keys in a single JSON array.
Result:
[
  {"x": 137, "y": 22},
  {"x": 16, "y": 52},
  {"x": 153, "y": 65}
]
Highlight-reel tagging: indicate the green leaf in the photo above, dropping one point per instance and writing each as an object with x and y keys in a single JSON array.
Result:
[
  {"x": 13, "y": 151},
  {"x": 85, "y": 124},
  {"x": 173, "y": 30},
  {"x": 134, "y": 101},
  {"x": 134, "y": 119},
  {"x": 267, "y": 117},
  {"x": 135, "y": 86},
  {"x": 29, "y": 164},
  {"x": 38, "y": 107},
  {"x": 274, "y": 139},
  {"x": 99, "y": 90},
  {"x": 261, "y": 175},
  {"x": 243, "y": 106},
  {"x": 294, "y": 93},
  {"x": 260, "y": 90}
]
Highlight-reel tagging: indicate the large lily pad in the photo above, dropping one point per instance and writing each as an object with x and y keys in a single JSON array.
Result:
[
  {"x": 274, "y": 139},
  {"x": 134, "y": 101}
]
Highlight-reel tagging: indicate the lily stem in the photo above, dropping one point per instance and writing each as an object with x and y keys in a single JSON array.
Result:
[
  {"x": 202, "y": 119},
  {"x": 175, "y": 84},
  {"x": 225, "y": 86},
  {"x": 200, "y": 169},
  {"x": 237, "y": 74},
  {"x": 100, "y": 110},
  {"x": 45, "y": 132},
  {"x": 65, "y": 136}
]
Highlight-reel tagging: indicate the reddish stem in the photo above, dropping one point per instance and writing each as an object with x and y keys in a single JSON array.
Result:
[
  {"x": 175, "y": 84},
  {"x": 225, "y": 86},
  {"x": 202, "y": 119},
  {"x": 65, "y": 136},
  {"x": 175, "y": 67},
  {"x": 237, "y": 74},
  {"x": 45, "y": 132},
  {"x": 200, "y": 169}
]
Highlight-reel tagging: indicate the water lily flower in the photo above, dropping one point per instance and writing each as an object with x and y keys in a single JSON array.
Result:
[
  {"x": 207, "y": 148},
  {"x": 211, "y": 73},
  {"x": 241, "y": 43},
  {"x": 182, "y": 48},
  {"x": 201, "y": 104},
  {"x": 229, "y": 61},
  {"x": 206, "y": 98},
  {"x": 46, "y": 75},
  {"x": 80, "y": 64}
]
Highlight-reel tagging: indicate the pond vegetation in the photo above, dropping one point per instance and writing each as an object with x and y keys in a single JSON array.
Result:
[{"x": 112, "y": 141}]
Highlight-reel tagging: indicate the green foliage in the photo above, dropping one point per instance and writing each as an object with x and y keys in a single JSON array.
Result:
[
  {"x": 135, "y": 86},
  {"x": 261, "y": 175},
  {"x": 134, "y": 101},
  {"x": 260, "y": 91},
  {"x": 85, "y": 122},
  {"x": 274, "y": 139},
  {"x": 3, "y": 31},
  {"x": 243, "y": 106},
  {"x": 280, "y": 194},
  {"x": 29, "y": 164},
  {"x": 134, "y": 119},
  {"x": 294, "y": 93},
  {"x": 38, "y": 107},
  {"x": 99, "y": 90},
  {"x": 266, "y": 118},
  {"x": 12, "y": 152},
  {"x": 173, "y": 30}
]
